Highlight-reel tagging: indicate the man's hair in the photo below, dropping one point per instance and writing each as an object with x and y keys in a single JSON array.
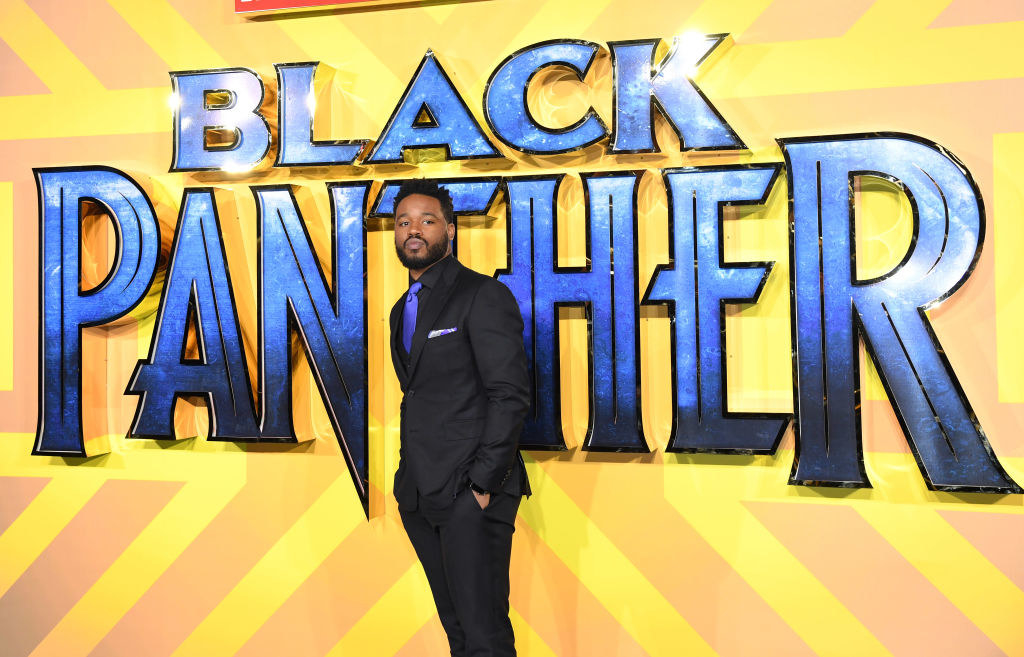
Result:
[{"x": 431, "y": 189}]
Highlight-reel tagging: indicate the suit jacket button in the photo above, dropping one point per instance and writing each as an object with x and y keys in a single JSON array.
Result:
[{"x": 410, "y": 393}]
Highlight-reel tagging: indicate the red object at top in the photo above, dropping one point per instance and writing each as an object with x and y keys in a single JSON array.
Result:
[{"x": 247, "y": 6}]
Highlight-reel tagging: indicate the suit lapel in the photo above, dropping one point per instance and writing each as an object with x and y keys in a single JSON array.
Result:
[
  {"x": 400, "y": 371},
  {"x": 436, "y": 303}
]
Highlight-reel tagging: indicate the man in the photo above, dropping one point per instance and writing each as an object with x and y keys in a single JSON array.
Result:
[{"x": 457, "y": 347}]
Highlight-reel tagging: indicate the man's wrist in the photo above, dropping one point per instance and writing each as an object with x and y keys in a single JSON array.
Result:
[{"x": 478, "y": 489}]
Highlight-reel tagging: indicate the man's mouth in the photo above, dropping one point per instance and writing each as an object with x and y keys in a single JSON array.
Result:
[{"x": 414, "y": 243}]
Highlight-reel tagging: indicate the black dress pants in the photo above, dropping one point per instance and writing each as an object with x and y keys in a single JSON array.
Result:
[{"x": 465, "y": 552}]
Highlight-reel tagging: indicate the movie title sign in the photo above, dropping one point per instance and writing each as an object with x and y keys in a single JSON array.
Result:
[{"x": 221, "y": 124}]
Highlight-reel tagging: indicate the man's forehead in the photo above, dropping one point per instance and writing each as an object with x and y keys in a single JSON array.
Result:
[{"x": 426, "y": 204}]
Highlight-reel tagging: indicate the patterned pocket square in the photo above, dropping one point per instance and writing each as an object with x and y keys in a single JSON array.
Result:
[{"x": 438, "y": 332}]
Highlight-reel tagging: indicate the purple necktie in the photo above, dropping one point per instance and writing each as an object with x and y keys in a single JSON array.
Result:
[{"x": 412, "y": 304}]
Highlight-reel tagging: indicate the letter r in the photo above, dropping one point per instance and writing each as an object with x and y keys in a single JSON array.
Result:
[{"x": 831, "y": 308}]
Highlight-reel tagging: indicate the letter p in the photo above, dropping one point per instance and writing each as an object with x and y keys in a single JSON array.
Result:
[{"x": 65, "y": 307}]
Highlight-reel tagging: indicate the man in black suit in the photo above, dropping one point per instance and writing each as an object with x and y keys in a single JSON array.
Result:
[{"x": 457, "y": 346}]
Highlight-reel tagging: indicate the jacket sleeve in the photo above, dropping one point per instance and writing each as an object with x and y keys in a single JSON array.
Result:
[{"x": 496, "y": 338}]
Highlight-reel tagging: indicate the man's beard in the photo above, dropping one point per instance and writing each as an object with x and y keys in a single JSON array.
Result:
[{"x": 431, "y": 254}]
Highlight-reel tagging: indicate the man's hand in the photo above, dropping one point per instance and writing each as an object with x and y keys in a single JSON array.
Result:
[{"x": 482, "y": 499}]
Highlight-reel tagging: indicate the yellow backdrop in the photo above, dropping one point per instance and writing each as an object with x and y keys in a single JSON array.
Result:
[{"x": 209, "y": 549}]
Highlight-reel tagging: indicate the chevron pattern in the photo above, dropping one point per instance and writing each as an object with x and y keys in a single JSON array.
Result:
[{"x": 210, "y": 549}]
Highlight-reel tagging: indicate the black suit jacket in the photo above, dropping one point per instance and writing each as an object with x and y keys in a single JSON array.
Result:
[{"x": 466, "y": 391}]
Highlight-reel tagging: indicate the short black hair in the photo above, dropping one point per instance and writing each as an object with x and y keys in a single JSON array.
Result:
[{"x": 431, "y": 189}]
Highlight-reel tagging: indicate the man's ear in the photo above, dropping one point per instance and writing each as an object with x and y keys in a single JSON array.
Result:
[{"x": 451, "y": 230}]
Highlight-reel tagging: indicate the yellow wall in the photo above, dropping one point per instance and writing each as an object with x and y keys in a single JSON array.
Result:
[{"x": 209, "y": 549}]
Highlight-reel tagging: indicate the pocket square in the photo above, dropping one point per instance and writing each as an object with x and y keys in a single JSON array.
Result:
[{"x": 437, "y": 332}]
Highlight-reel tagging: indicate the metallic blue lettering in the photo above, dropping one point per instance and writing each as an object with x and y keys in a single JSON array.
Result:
[
  {"x": 605, "y": 288},
  {"x": 449, "y": 122},
  {"x": 509, "y": 116},
  {"x": 696, "y": 285},
  {"x": 640, "y": 88},
  {"x": 832, "y": 308},
  {"x": 195, "y": 116},
  {"x": 531, "y": 208},
  {"x": 198, "y": 291},
  {"x": 295, "y": 107},
  {"x": 612, "y": 283},
  {"x": 330, "y": 320},
  {"x": 65, "y": 307}
]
